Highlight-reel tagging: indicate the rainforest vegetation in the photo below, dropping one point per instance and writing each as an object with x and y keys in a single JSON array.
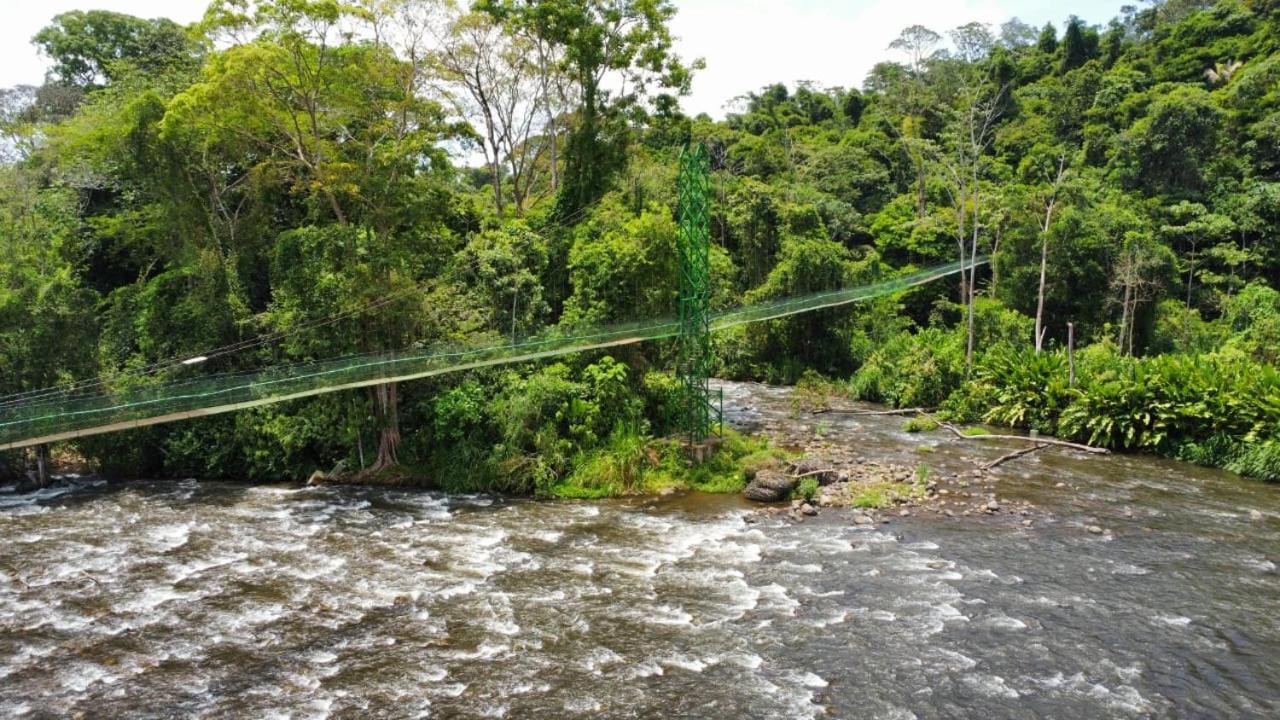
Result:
[{"x": 292, "y": 180}]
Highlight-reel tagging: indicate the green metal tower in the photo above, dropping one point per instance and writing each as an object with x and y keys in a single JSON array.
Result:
[{"x": 699, "y": 415}]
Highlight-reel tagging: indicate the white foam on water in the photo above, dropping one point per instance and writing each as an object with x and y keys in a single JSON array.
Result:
[
  {"x": 1123, "y": 568},
  {"x": 170, "y": 537},
  {"x": 546, "y": 536},
  {"x": 485, "y": 651},
  {"x": 807, "y": 568},
  {"x": 463, "y": 588},
  {"x": 748, "y": 661},
  {"x": 777, "y": 599},
  {"x": 184, "y": 571},
  {"x": 453, "y": 690},
  {"x": 581, "y": 705},
  {"x": 599, "y": 658},
  {"x": 954, "y": 661},
  {"x": 648, "y": 668},
  {"x": 667, "y": 615},
  {"x": 1175, "y": 620},
  {"x": 684, "y": 662},
  {"x": 1003, "y": 622},
  {"x": 834, "y": 619},
  {"x": 831, "y": 546},
  {"x": 152, "y": 598},
  {"x": 990, "y": 685},
  {"x": 502, "y": 627},
  {"x": 1260, "y": 564},
  {"x": 82, "y": 675},
  {"x": 813, "y": 681}
]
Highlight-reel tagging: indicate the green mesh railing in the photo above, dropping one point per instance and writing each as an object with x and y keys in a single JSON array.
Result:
[{"x": 63, "y": 417}]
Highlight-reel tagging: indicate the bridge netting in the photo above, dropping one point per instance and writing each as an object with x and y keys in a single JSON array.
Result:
[{"x": 59, "y": 417}]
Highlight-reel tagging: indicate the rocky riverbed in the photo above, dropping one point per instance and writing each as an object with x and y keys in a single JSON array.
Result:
[{"x": 868, "y": 488}]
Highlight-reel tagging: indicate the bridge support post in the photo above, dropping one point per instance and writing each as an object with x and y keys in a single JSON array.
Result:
[{"x": 699, "y": 415}]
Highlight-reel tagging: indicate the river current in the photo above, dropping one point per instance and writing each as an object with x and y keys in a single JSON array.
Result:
[{"x": 212, "y": 599}]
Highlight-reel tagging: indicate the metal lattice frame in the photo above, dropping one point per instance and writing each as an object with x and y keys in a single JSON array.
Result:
[{"x": 699, "y": 417}]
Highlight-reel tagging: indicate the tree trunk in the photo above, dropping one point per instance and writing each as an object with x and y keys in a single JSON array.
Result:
[
  {"x": 386, "y": 410},
  {"x": 1044, "y": 263},
  {"x": 921, "y": 207},
  {"x": 1071, "y": 354},
  {"x": 555, "y": 153},
  {"x": 973, "y": 268},
  {"x": 1124, "y": 314},
  {"x": 42, "y": 465},
  {"x": 995, "y": 269}
]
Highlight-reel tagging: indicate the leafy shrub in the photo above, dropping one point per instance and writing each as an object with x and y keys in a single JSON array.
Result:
[
  {"x": 1259, "y": 460},
  {"x": 1165, "y": 402},
  {"x": 1027, "y": 389},
  {"x": 913, "y": 370},
  {"x": 617, "y": 468},
  {"x": 807, "y": 489}
]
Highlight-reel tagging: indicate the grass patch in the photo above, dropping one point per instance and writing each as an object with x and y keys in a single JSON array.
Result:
[
  {"x": 807, "y": 489},
  {"x": 726, "y": 470},
  {"x": 879, "y": 495},
  {"x": 630, "y": 464},
  {"x": 920, "y": 424}
]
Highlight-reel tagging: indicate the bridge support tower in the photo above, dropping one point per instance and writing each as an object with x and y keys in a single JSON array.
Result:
[{"x": 701, "y": 412}]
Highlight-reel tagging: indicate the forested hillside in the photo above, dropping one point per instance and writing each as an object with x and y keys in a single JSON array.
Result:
[{"x": 289, "y": 181}]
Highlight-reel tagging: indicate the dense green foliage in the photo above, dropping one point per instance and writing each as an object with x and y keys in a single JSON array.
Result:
[{"x": 276, "y": 184}]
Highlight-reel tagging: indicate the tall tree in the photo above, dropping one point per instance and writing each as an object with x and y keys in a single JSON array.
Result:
[
  {"x": 496, "y": 81},
  {"x": 92, "y": 48},
  {"x": 615, "y": 51}
]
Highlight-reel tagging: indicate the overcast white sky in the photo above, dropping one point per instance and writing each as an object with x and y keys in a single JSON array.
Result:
[{"x": 746, "y": 43}]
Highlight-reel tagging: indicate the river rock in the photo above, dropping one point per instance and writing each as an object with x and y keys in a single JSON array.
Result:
[
  {"x": 807, "y": 509},
  {"x": 769, "y": 486},
  {"x": 861, "y": 520},
  {"x": 1255, "y": 515},
  {"x": 993, "y": 506},
  {"x": 1094, "y": 529}
]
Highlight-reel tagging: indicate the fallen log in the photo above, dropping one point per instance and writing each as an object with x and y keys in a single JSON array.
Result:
[
  {"x": 801, "y": 476},
  {"x": 1013, "y": 456},
  {"x": 992, "y": 436},
  {"x": 849, "y": 411}
]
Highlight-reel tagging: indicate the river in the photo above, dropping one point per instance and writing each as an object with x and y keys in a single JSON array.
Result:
[{"x": 214, "y": 599}]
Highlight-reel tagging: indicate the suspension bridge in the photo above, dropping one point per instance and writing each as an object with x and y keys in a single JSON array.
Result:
[{"x": 60, "y": 416}]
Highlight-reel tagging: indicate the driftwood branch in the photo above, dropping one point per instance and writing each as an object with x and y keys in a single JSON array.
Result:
[
  {"x": 1013, "y": 456},
  {"x": 899, "y": 411},
  {"x": 1046, "y": 441},
  {"x": 813, "y": 472}
]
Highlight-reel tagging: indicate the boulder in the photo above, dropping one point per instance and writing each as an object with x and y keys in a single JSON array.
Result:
[{"x": 769, "y": 486}]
